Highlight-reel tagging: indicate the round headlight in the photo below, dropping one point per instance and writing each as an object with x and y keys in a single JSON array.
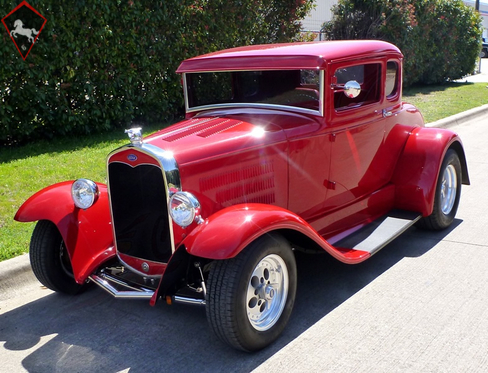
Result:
[
  {"x": 84, "y": 193},
  {"x": 183, "y": 207}
]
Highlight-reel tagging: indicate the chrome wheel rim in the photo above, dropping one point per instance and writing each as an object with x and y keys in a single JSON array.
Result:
[
  {"x": 267, "y": 292},
  {"x": 448, "y": 189}
]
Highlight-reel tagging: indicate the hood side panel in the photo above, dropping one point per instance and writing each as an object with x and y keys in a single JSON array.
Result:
[{"x": 253, "y": 176}]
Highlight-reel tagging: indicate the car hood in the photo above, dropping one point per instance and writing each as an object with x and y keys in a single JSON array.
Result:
[{"x": 218, "y": 133}]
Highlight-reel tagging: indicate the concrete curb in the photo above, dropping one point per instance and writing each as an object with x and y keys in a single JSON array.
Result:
[
  {"x": 15, "y": 273},
  {"x": 461, "y": 117},
  {"x": 13, "y": 269}
]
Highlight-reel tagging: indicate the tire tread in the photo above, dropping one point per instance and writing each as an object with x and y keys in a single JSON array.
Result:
[
  {"x": 42, "y": 253},
  {"x": 221, "y": 315}
]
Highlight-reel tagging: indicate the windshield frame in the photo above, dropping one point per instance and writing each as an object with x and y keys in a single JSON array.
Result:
[{"x": 296, "y": 109}]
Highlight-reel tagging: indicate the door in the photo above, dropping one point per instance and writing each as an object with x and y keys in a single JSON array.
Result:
[{"x": 358, "y": 131}]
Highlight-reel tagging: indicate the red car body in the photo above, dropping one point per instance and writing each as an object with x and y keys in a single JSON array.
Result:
[{"x": 279, "y": 145}]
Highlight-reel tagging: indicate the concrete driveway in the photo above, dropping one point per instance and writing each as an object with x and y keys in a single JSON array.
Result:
[
  {"x": 419, "y": 305},
  {"x": 481, "y": 75}
]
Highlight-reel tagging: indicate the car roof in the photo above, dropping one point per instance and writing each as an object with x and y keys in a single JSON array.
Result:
[{"x": 312, "y": 55}]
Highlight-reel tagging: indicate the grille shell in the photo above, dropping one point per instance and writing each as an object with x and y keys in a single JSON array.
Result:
[{"x": 138, "y": 200}]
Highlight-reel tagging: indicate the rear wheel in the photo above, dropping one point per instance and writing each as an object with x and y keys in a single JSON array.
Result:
[
  {"x": 447, "y": 194},
  {"x": 50, "y": 260},
  {"x": 250, "y": 297}
]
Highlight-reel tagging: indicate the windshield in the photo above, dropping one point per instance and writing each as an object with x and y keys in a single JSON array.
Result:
[{"x": 297, "y": 89}]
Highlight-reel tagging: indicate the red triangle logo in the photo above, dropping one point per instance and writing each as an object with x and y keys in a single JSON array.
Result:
[{"x": 24, "y": 25}]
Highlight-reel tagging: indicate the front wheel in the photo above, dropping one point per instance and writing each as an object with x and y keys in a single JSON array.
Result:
[
  {"x": 250, "y": 297},
  {"x": 447, "y": 194},
  {"x": 50, "y": 260}
]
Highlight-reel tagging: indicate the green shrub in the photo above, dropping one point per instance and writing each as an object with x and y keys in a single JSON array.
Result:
[
  {"x": 100, "y": 64},
  {"x": 449, "y": 37},
  {"x": 440, "y": 39}
]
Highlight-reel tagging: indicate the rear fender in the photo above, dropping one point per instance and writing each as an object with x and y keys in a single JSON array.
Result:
[
  {"x": 226, "y": 233},
  {"x": 418, "y": 168},
  {"x": 86, "y": 233}
]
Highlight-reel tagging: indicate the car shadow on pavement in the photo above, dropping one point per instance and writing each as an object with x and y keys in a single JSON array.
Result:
[{"x": 95, "y": 332}]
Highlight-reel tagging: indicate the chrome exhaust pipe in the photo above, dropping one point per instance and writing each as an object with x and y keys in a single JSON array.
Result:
[{"x": 177, "y": 299}]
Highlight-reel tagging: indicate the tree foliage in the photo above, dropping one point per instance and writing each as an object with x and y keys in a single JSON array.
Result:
[
  {"x": 440, "y": 39},
  {"x": 99, "y": 64}
]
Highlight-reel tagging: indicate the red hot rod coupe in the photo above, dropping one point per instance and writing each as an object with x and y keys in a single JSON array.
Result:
[{"x": 286, "y": 147}]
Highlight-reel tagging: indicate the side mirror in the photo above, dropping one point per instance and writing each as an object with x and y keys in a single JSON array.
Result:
[{"x": 352, "y": 89}]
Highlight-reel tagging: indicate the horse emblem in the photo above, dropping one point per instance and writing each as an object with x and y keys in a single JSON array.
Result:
[{"x": 19, "y": 29}]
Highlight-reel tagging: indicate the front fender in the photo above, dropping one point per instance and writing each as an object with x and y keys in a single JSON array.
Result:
[
  {"x": 226, "y": 233},
  {"x": 86, "y": 233},
  {"x": 417, "y": 171}
]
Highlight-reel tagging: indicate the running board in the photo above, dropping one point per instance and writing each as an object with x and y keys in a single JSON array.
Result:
[
  {"x": 376, "y": 235},
  {"x": 120, "y": 288}
]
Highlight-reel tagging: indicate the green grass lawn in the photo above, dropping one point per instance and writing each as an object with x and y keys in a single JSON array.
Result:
[
  {"x": 437, "y": 102},
  {"x": 25, "y": 170}
]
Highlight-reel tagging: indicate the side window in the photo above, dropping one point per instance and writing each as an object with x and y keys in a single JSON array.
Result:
[
  {"x": 350, "y": 73},
  {"x": 391, "y": 85},
  {"x": 368, "y": 76}
]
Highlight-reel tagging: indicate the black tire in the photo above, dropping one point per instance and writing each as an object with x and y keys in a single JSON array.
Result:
[
  {"x": 50, "y": 260},
  {"x": 232, "y": 294},
  {"x": 447, "y": 194}
]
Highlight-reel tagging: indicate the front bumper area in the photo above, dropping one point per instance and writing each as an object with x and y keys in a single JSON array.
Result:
[
  {"x": 119, "y": 286},
  {"x": 122, "y": 283}
]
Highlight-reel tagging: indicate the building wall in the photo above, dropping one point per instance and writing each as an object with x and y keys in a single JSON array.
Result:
[
  {"x": 314, "y": 21},
  {"x": 483, "y": 13}
]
